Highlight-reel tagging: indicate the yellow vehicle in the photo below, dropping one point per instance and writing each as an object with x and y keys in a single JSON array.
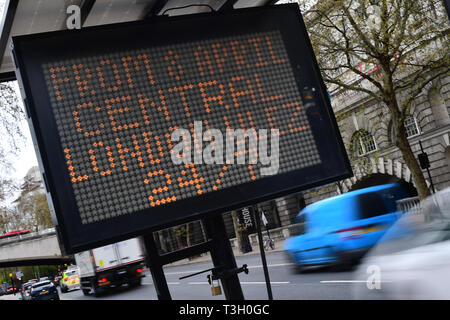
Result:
[{"x": 70, "y": 280}]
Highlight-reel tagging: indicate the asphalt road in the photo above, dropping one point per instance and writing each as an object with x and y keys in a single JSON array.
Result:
[{"x": 286, "y": 284}]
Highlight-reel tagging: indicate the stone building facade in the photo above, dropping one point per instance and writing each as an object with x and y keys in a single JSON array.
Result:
[{"x": 380, "y": 161}]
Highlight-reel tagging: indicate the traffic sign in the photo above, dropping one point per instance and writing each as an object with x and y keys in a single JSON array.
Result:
[
  {"x": 146, "y": 124},
  {"x": 245, "y": 218}
]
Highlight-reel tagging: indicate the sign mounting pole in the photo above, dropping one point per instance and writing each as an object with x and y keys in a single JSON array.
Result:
[
  {"x": 263, "y": 254},
  {"x": 156, "y": 268},
  {"x": 222, "y": 256}
]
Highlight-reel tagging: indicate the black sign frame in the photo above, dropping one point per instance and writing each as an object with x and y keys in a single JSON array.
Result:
[{"x": 29, "y": 50}]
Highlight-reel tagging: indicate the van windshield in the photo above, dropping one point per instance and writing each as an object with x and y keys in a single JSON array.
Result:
[{"x": 371, "y": 205}]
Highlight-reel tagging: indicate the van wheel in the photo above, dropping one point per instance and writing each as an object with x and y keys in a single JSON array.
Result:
[
  {"x": 299, "y": 269},
  {"x": 135, "y": 283},
  {"x": 86, "y": 291},
  {"x": 97, "y": 293},
  {"x": 95, "y": 289},
  {"x": 343, "y": 266}
]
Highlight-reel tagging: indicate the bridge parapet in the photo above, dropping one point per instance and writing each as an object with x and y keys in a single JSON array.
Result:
[
  {"x": 32, "y": 245},
  {"x": 27, "y": 236}
]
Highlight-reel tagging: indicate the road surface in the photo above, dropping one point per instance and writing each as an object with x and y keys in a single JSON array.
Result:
[{"x": 286, "y": 284}]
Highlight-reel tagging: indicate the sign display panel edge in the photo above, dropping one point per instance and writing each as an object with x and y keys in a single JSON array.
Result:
[{"x": 138, "y": 129}]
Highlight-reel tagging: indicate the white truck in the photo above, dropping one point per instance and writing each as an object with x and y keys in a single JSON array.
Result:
[{"x": 111, "y": 266}]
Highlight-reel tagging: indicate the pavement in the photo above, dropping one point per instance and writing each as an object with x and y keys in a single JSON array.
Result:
[{"x": 10, "y": 297}]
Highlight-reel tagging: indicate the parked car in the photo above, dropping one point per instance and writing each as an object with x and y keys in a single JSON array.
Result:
[
  {"x": 12, "y": 290},
  {"x": 340, "y": 230},
  {"x": 44, "y": 290},
  {"x": 412, "y": 260}
]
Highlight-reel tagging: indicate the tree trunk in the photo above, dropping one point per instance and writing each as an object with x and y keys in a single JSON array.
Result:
[
  {"x": 398, "y": 122},
  {"x": 161, "y": 241},
  {"x": 411, "y": 161},
  {"x": 188, "y": 234},
  {"x": 176, "y": 232}
]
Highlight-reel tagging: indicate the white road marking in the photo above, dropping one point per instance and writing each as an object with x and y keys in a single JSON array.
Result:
[
  {"x": 272, "y": 265},
  {"x": 346, "y": 281},
  {"x": 343, "y": 281},
  {"x": 244, "y": 282},
  {"x": 263, "y": 282},
  {"x": 248, "y": 267},
  {"x": 150, "y": 283}
]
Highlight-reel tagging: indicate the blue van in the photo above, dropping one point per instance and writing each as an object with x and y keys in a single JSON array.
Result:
[{"x": 341, "y": 229}]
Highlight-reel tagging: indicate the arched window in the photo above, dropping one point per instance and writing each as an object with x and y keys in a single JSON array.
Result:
[{"x": 363, "y": 143}]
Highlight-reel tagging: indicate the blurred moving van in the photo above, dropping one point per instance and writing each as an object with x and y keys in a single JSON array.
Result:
[{"x": 342, "y": 229}]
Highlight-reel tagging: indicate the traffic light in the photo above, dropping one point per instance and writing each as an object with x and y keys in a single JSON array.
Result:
[{"x": 424, "y": 161}]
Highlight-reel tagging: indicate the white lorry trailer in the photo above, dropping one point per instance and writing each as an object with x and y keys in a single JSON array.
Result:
[{"x": 111, "y": 266}]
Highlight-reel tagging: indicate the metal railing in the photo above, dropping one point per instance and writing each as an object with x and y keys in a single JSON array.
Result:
[{"x": 408, "y": 204}]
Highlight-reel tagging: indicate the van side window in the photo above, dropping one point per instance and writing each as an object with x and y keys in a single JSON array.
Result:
[
  {"x": 298, "y": 228},
  {"x": 371, "y": 205}
]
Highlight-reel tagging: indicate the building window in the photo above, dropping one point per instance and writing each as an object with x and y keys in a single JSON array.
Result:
[
  {"x": 364, "y": 143},
  {"x": 411, "y": 127}
]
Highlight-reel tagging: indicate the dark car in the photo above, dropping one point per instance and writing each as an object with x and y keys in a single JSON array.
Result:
[
  {"x": 44, "y": 290},
  {"x": 26, "y": 291},
  {"x": 12, "y": 290}
]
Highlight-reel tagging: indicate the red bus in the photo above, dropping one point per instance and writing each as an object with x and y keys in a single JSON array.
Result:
[{"x": 14, "y": 233}]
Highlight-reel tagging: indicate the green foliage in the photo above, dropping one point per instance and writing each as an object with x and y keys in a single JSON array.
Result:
[
  {"x": 30, "y": 272},
  {"x": 34, "y": 205},
  {"x": 10, "y": 129}
]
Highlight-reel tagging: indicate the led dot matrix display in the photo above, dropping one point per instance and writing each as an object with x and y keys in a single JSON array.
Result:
[
  {"x": 104, "y": 103},
  {"x": 116, "y": 112}
]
